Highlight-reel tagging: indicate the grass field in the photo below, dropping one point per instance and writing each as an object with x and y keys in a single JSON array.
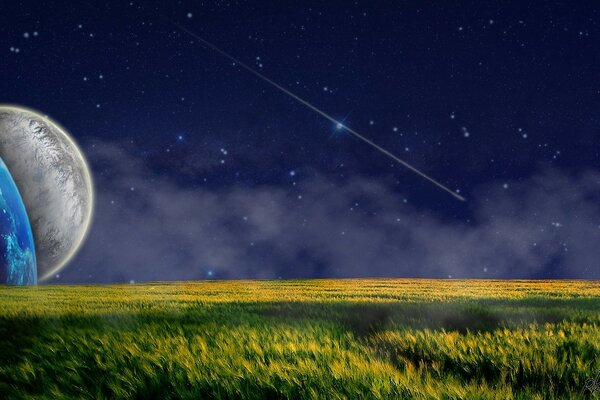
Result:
[{"x": 318, "y": 339}]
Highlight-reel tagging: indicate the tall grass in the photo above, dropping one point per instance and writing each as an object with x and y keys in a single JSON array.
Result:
[{"x": 321, "y": 339}]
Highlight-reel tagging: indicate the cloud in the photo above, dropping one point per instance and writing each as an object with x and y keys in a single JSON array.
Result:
[{"x": 148, "y": 227}]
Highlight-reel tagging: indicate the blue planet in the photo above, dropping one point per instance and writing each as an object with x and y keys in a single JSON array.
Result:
[{"x": 17, "y": 250}]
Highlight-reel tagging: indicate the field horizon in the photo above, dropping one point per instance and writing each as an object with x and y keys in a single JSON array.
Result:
[{"x": 360, "y": 338}]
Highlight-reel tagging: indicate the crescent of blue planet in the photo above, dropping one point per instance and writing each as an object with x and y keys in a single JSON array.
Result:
[{"x": 17, "y": 250}]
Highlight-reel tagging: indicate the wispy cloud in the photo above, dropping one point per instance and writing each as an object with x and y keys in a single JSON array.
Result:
[{"x": 147, "y": 227}]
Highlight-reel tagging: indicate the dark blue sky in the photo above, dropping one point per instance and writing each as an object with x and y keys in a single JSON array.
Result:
[{"x": 202, "y": 170}]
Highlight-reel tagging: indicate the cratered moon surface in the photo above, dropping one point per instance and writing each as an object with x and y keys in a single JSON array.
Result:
[{"x": 54, "y": 181}]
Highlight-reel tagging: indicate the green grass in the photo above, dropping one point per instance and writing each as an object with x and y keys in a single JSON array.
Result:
[{"x": 319, "y": 339}]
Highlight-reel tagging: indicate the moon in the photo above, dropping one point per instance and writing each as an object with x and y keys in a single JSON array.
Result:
[{"x": 54, "y": 181}]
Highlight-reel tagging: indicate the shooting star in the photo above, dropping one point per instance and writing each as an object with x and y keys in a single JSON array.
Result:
[{"x": 300, "y": 100}]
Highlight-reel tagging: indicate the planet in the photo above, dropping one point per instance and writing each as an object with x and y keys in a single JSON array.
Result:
[
  {"x": 54, "y": 181},
  {"x": 17, "y": 250}
]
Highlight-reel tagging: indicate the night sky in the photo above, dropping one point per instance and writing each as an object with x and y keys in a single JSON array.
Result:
[{"x": 204, "y": 171}]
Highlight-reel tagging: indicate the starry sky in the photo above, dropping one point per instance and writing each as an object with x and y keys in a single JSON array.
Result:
[{"x": 203, "y": 171}]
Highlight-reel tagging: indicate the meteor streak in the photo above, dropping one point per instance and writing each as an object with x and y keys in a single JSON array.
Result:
[{"x": 315, "y": 109}]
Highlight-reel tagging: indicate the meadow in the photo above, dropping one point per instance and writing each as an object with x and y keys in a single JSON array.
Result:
[{"x": 313, "y": 339}]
